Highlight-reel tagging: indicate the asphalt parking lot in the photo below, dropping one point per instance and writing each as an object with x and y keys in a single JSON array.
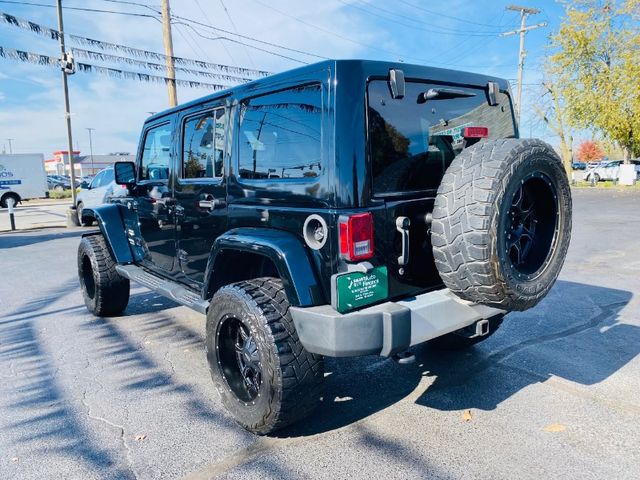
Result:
[{"x": 553, "y": 394}]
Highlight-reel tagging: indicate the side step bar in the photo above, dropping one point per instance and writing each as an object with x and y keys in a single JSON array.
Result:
[{"x": 164, "y": 287}]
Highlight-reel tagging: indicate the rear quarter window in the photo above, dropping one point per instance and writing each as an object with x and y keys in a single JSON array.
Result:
[
  {"x": 411, "y": 143},
  {"x": 280, "y": 135}
]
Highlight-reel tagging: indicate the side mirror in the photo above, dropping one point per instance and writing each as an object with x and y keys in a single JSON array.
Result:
[
  {"x": 124, "y": 173},
  {"x": 84, "y": 185}
]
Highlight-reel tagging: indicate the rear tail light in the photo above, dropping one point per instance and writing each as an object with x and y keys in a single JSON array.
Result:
[
  {"x": 475, "y": 132},
  {"x": 356, "y": 236}
]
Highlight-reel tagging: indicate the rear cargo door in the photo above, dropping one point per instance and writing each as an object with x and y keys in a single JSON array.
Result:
[{"x": 411, "y": 142}]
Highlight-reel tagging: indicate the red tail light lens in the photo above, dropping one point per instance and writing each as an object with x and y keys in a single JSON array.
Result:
[
  {"x": 475, "y": 132},
  {"x": 356, "y": 237}
]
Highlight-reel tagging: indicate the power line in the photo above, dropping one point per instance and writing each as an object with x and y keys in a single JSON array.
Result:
[
  {"x": 233, "y": 25},
  {"x": 524, "y": 12},
  {"x": 439, "y": 14},
  {"x": 83, "y": 9},
  {"x": 246, "y": 37},
  {"x": 335, "y": 34},
  {"x": 434, "y": 28},
  {"x": 233, "y": 60},
  {"x": 48, "y": 61},
  {"x": 210, "y": 26},
  {"x": 132, "y": 51},
  {"x": 239, "y": 42}
]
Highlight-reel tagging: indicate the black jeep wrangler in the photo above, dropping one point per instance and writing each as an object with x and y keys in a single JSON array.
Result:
[{"x": 340, "y": 209}]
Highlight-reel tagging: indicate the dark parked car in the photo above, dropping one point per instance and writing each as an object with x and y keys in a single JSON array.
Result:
[
  {"x": 344, "y": 208},
  {"x": 57, "y": 182},
  {"x": 579, "y": 165}
]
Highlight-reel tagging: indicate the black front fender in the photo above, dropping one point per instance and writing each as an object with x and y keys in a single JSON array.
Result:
[
  {"x": 285, "y": 250},
  {"x": 119, "y": 226}
]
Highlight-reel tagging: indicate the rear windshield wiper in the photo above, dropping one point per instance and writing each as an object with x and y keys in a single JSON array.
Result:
[{"x": 443, "y": 94}]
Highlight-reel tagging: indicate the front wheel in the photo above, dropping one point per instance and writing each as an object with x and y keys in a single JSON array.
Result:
[
  {"x": 104, "y": 291},
  {"x": 265, "y": 377}
]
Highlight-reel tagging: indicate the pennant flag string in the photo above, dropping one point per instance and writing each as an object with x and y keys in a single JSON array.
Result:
[
  {"x": 45, "y": 60},
  {"x": 123, "y": 49},
  {"x": 80, "y": 53}
]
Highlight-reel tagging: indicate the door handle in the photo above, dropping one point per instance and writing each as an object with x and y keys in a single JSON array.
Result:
[
  {"x": 402, "y": 225},
  {"x": 207, "y": 204}
]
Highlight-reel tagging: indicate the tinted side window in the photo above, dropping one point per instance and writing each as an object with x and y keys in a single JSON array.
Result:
[
  {"x": 280, "y": 134},
  {"x": 156, "y": 154},
  {"x": 203, "y": 145}
]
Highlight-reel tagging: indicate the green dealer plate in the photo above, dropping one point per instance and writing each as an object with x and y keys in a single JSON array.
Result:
[{"x": 354, "y": 290}]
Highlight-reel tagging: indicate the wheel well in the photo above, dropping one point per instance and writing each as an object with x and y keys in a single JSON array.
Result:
[{"x": 235, "y": 266}]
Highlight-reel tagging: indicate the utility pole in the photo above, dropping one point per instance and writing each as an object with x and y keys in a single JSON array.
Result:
[
  {"x": 67, "y": 69},
  {"x": 168, "y": 51},
  {"x": 524, "y": 12},
  {"x": 10, "y": 147},
  {"x": 89, "y": 129}
]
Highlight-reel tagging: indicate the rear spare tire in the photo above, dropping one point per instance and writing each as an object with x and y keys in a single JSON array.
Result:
[{"x": 502, "y": 223}]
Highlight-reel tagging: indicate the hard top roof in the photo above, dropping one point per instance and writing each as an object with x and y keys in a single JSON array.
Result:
[{"x": 369, "y": 67}]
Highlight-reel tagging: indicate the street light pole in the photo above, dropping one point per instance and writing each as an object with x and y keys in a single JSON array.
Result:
[
  {"x": 67, "y": 113},
  {"x": 91, "y": 149}
]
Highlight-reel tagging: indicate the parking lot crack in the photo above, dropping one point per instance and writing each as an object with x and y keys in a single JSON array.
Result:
[{"x": 119, "y": 428}]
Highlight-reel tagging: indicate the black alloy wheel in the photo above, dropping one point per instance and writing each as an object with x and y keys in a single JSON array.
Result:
[
  {"x": 531, "y": 224},
  {"x": 265, "y": 377},
  {"x": 239, "y": 359}
]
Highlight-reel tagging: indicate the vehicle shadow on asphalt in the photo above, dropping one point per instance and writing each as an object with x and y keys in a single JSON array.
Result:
[
  {"x": 574, "y": 334},
  {"x": 13, "y": 240}
]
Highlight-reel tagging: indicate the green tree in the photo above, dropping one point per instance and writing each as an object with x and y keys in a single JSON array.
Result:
[{"x": 596, "y": 60}]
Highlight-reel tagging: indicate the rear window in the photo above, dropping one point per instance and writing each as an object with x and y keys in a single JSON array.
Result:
[{"x": 411, "y": 143}]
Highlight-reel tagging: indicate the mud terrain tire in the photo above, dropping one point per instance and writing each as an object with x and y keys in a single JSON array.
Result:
[
  {"x": 502, "y": 223},
  {"x": 250, "y": 329},
  {"x": 104, "y": 291}
]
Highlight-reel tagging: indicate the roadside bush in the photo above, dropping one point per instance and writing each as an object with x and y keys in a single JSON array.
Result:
[{"x": 55, "y": 194}]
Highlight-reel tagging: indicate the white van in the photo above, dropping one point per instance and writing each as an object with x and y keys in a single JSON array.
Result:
[{"x": 22, "y": 176}]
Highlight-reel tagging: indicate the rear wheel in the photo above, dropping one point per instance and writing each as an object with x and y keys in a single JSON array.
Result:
[
  {"x": 104, "y": 291},
  {"x": 265, "y": 377},
  {"x": 502, "y": 223}
]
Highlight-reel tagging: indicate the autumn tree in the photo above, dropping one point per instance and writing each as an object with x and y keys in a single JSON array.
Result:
[
  {"x": 589, "y": 151},
  {"x": 596, "y": 59}
]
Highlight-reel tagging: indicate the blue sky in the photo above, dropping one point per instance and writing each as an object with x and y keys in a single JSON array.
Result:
[{"x": 457, "y": 34}]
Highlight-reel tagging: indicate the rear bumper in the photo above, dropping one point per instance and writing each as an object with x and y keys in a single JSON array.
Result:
[{"x": 387, "y": 328}]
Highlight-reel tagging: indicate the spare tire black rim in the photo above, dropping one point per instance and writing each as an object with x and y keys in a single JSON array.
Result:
[
  {"x": 531, "y": 226},
  {"x": 239, "y": 359}
]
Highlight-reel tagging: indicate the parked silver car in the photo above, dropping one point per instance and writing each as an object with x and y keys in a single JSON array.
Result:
[
  {"x": 101, "y": 189},
  {"x": 609, "y": 171}
]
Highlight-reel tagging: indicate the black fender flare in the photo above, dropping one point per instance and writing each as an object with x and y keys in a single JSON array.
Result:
[
  {"x": 284, "y": 249},
  {"x": 121, "y": 231}
]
